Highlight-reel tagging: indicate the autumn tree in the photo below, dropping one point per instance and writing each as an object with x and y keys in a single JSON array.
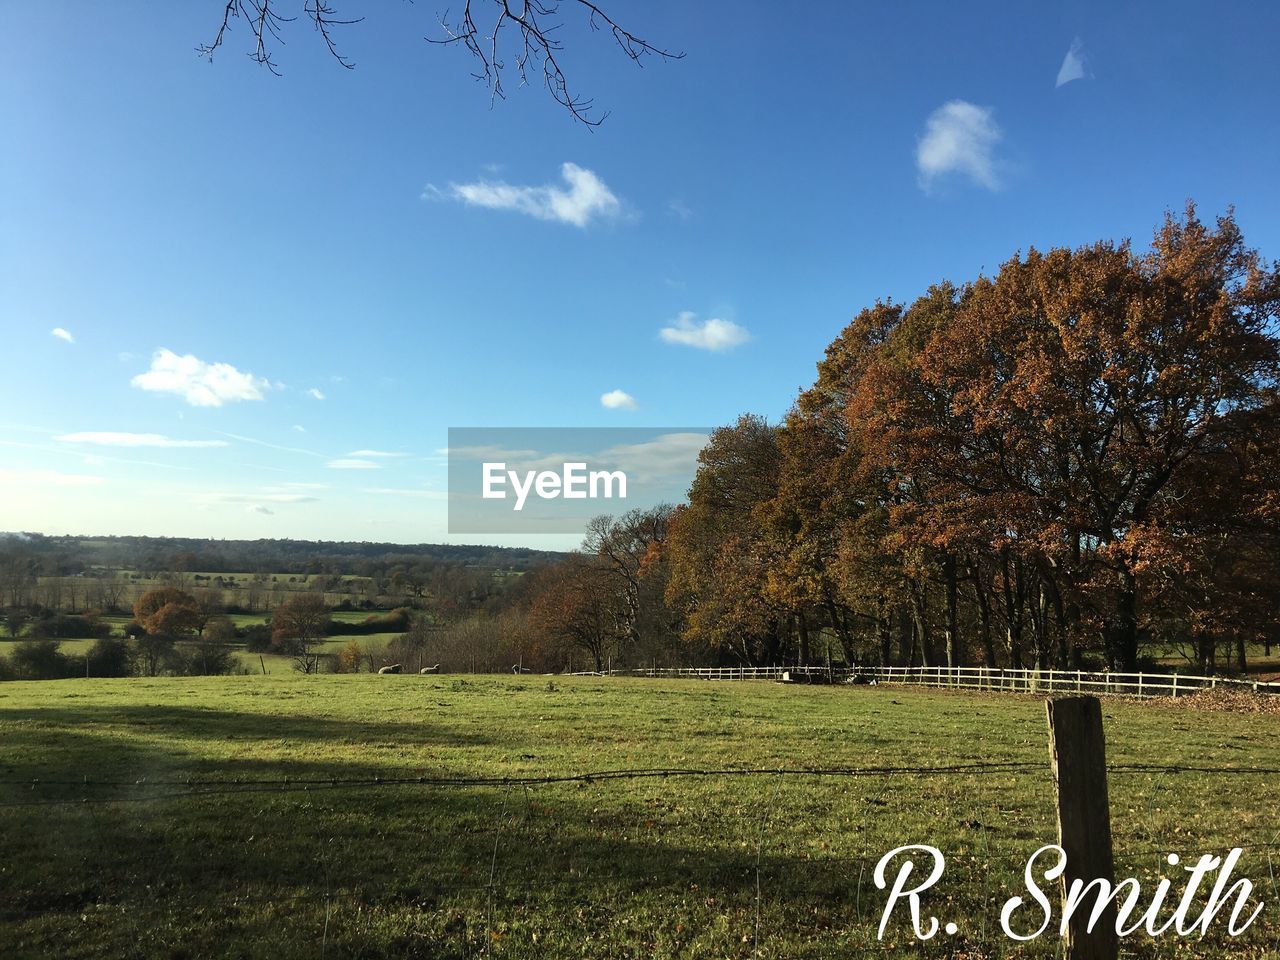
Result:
[
  {"x": 1073, "y": 454},
  {"x": 166, "y": 614},
  {"x": 720, "y": 554},
  {"x": 1100, "y": 382},
  {"x": 296, "y": 625},
  {"x": 625, "y": 545},
  {"x": 579, "y": 604}
]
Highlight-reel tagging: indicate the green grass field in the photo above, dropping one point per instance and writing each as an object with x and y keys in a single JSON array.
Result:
[{"x": 159, "y": 867}]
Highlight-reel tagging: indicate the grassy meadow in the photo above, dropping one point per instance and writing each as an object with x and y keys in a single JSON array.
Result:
[{"x": 157, "y": 866}]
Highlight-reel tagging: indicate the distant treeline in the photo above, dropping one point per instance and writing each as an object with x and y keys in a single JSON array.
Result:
[{"x": 72, "y": 555}]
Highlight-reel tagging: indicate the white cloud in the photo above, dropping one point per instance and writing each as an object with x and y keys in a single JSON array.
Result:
[
  {"x": 47, "y": 478},
  {"x": 315, "y": 393},
  {"x": 376, "y": 453},
  {"x": 586, "y": 198},
  {"x": 1073, "y": 64},
  {"x": 713, "y": 334},
  {"x": 115, "y": 439},
  {"x": 63, "y": 334},
  {"x": 300, "y": 428},
  {"x": 959, "y": 137},
  {"x": 264, "y": 498},
  {"x": 356, "y": 464},
  {"x": 201, "y": 384},
  {"x": 618, "y": 400},
  {"x": 678, "y": 208}
]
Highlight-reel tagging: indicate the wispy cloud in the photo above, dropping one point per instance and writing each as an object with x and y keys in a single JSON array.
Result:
[
  {"x": 201, "y": 384},
  {"x": 265, "y": 511},
  {"x": 618, "y": 400},
  {"x": 92, "y": 459},
  {"x": 679, "y": 209},
  {"x": 262, "y": 498},
  {"x": 315, "y": 393},
  {"x": 116, "y": 439},
  {"x": 959, "y": 137},
  {"x": 1073, "y": 64},
  {"x": 299, "y": 428},
  {"x": 376, "y": 453},
  {"x": 63, "y": 334},
  {"x": 584, "y": 198},
  {"x": 712, "y": 334},
  {"x": 353, "y": 464},
  {"x": 269, "y": 446}
]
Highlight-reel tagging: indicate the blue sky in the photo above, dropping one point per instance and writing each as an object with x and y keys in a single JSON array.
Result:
[{"x": 341, "y": 265}]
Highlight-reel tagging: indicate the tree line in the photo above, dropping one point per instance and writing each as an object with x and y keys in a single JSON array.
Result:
[{"x": 1072, "y": 463}]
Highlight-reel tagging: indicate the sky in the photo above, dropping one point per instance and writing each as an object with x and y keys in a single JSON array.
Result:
[{"x": 240, "y": 305}]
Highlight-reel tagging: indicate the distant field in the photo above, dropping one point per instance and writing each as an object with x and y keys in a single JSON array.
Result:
[
  {"x": 606, "y": 869},
  {"x": 274, "y": 663}
]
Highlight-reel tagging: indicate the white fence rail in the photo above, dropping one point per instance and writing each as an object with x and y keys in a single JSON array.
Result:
[{"x": 974, "y": 678}]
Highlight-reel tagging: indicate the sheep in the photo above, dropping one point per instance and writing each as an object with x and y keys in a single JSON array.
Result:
[
  {"x": 394, "y": 668},
  {"x": 435, "y": 669}
]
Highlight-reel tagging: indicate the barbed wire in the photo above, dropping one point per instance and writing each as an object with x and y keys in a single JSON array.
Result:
[{"x": 198, "y": 787}]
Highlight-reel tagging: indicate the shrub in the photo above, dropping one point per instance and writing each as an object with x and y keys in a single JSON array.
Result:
[
  {"x": 220, "y": 630},
  {"x": 257, "y": 637},
  {"x": 70, "y": 627},
  {"x": 15, "y": 619},
  {"x": 41, "y": 660},
  {"x": 154, "y": 651},
  {"x": 208, "y": 658},
  {"x": 110, "y": 657},
  {"x": 393, "y": 621},
  {"x": 349, "y": 657}
]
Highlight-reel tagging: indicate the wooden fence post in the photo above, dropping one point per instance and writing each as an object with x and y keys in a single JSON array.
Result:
[{"x": 1078, "y": 754}]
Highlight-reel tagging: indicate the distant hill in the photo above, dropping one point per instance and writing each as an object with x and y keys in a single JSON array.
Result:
[{"x": 69, "y": 555}]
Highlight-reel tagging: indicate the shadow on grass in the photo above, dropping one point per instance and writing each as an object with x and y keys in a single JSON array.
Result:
[{"x": 255, "y": 864}]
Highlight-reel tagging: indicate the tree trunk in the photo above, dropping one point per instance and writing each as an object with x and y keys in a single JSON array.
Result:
[
  {"x": 1012, "y": 609},
  {"x": 1123, "y": 646},
  {"x": 1040, "y": 625},
  {"x": 920, "y": 622},
  {"x": 1204, "y": 645},
  {"x": 906, "y": 637},
  {"x": 803, "y": 628},
  {"x": 984, "y": 617},
  {"x": 954, "y": 653},
  {"x": 884, "y": 634}
]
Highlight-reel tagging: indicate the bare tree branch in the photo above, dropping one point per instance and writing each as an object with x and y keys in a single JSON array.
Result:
[{"x": 534, "y": 46}]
